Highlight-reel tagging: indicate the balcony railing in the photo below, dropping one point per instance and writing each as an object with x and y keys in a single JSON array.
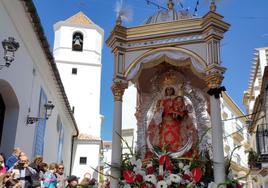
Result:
[
  {"x": 238, "y": 133},
  {"x": 262, "y": 140}
]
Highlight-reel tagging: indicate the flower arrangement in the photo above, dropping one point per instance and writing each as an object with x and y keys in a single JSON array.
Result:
[{"x": 164, "y": 171}]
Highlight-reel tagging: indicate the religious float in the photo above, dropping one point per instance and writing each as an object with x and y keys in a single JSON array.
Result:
[{"x": 173, "y": 61}]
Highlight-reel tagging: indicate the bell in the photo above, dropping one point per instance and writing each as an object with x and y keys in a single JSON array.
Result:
[{"x": 77, "y": 44}]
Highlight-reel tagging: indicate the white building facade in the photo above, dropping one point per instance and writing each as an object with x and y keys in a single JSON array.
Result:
[
  {"x": 106, "y": 158},
  {"x": 77, "y": 51},
  {"x": 255, "y": 101},
  {"x": 27, "y": 85},
  {"x": 236, "y": 138}
]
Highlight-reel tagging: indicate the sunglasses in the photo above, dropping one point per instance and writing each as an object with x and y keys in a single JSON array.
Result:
[{"x": 61, "y": 168}]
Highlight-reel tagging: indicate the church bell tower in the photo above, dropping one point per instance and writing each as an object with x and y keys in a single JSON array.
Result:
[{"x": 77, "y": 50}]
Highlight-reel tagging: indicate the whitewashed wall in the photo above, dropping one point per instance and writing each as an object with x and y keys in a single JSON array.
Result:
[
  {"x": 230, "y": 126},
  {"x": 91, "y": 152},
  {"x": 107, "y": 156},
  {"x": 21, "y": 84},
  {"x": 83, "y": 89}
]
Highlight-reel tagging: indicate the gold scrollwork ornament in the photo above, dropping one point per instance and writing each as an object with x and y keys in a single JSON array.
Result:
[
  {"x": 214, "y": 80},
  {"x": 118, "y": 90}
]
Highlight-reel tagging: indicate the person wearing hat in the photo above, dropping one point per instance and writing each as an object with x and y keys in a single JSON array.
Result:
[{"x": 72, "y": 181}]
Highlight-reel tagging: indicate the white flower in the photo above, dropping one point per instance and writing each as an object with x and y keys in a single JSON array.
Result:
[
  {"x": 175, "y": 178},
  {"x": 138, "y": 163},
  {"x": 212, "y": 185},
  {"x": 167, "y": 179},
  {"x": 133, "y": 160},
  {"x": 127, "y": 186},
  {"x": 186, "y": 167},
  {"x": 161, "y": 184},
  {"x": 181, "y": 165},
  {"x": 151, "y": 178}
]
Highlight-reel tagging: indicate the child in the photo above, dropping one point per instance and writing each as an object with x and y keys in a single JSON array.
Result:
[
  {"x": 2, "y": 165},
  {"x": 49, "y": 178}
]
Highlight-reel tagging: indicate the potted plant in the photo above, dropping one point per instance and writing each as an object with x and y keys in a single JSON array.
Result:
[{"x": 252, "y": 158}]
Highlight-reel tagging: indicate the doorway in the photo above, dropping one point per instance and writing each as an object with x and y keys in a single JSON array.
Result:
[{"x": 2, "y": 116}]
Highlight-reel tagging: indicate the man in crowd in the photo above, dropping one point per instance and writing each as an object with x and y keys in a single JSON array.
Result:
[
  {"x": 11, "y": 160},
  {"x": 72, "y": 181},
  {"x": 61, "y": 176},
  {"x": 23, "y": 172}
]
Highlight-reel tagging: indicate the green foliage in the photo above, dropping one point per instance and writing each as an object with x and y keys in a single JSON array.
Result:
[{"x": 252, "y": 156}]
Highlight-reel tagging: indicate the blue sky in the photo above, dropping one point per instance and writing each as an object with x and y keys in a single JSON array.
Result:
[{"x": 249, "y": 30}]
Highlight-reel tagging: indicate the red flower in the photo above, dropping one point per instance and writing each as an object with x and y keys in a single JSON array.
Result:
[
  {"x": 181, "y": 186},
  {"x": 196, "y": 174},
  {"x": 150, "y": 170},
  {"x": 159, "y": 177},
  {"x": 238, "y": 185},
  {"x": 143, "y": 186},
  {"x": 129, "y": 176},
  {"x": 139, "y": 178},
  {"x": 186, "y": 177}
]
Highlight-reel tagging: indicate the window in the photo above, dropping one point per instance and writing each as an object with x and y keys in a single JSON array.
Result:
[
  {"x": 77, "y": 42},
  {"x": 83, "y": 160},
  {"x": 2, "y": 116},
  {"x": 238, "y": 159},
  {"x": 74, "y": 71}
]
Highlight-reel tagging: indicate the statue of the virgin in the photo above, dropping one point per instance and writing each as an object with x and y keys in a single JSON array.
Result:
[{"x": 169, "y": 125}]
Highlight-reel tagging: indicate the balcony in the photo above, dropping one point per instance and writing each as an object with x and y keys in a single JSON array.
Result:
[
  {"x": 238, "y": 133},
  {"x": 246, "y": 142},
  {"x": 263, "y": 158},
  {"x": 262, "y": 143}
]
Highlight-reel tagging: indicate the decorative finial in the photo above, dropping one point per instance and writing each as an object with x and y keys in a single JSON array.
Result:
[
  {"x": 213, "y": 6},
  {"x": 119, "y": 21},
  {"x": 170, "y": 4}
]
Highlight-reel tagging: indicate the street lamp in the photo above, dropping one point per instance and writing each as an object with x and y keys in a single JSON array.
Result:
[
  {"x": 10, "y": 46},
  {"x": 48, "y": 107}
]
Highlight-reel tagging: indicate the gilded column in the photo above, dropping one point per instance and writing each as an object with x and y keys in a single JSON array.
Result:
[
  {"x": 118, "y": 89},
  {"x": 214, "y": 79}
]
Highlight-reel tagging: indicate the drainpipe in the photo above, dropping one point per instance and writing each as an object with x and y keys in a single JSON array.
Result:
[
  {"x": 266, "y": 106},
  {"x": 72, "y": 147}
]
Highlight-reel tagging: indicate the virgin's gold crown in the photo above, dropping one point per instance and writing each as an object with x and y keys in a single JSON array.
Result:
[{"x": 170, "y": 79}]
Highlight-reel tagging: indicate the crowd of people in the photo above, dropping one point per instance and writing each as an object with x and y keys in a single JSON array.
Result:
[{"x": 18, "y": 172}]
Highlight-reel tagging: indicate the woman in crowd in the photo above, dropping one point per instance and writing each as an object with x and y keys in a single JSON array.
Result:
[
  {"x": 36, "y": 165},
  {"x": 2, "y": 165}
]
